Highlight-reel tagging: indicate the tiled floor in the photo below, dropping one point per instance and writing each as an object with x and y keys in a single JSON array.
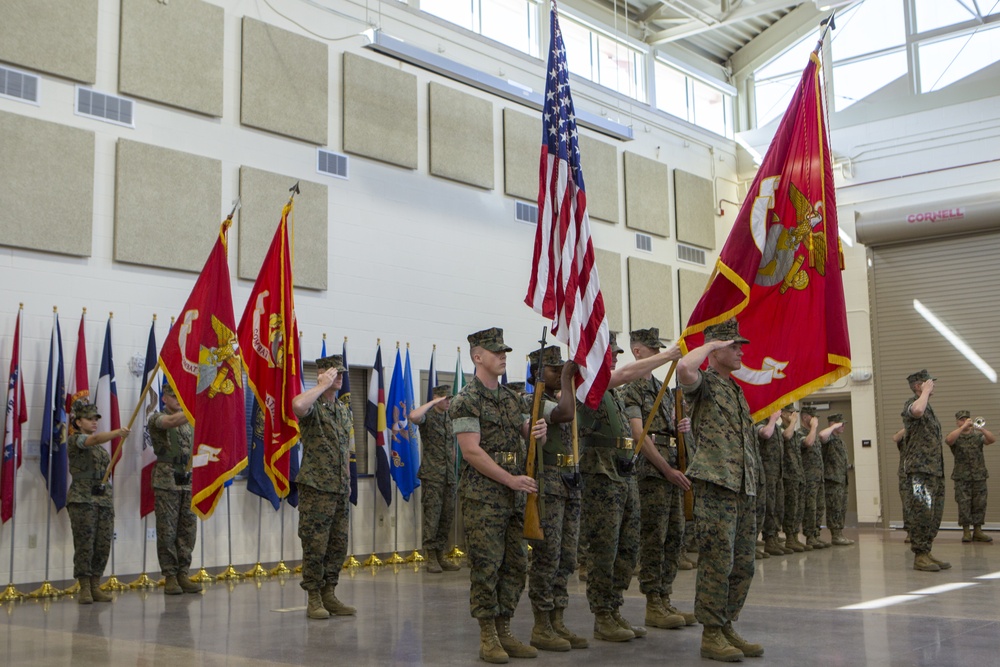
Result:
[{"x": 411, "y": 617}]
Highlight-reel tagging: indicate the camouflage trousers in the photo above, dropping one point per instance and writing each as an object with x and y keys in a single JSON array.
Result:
[
  {"x": 323, "y": 527},
  {"x": 176, "y": 530},
  {"x": 727, "y": 535},
  {"x": 662, "y": 534},
  {"x": 836, "y": 504},
  {"x": 761, "y": 506},
  {"x": 792, "y": 516},
  {"x": 498, "y": 558},
  {"x": 813, "y": 506},
  {"x": 437, "y": 500},
  {"x": 774, "y": 491},
  {"x": 925, "y": 504},
  {"x": 904, "y": 492},
  {"x": 611, "y": 527},
  {"x": 553, "y": 559},
  {"x": 970, "y": 496},
  {"x": 93, "y": 528}
]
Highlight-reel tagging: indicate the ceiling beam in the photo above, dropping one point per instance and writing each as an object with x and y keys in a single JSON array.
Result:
[{"x": 742, "y": 13}]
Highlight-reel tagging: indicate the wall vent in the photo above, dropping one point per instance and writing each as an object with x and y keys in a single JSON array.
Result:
[
  {"x": 18, "y": 85},
  {"x": 526, "y": 213},
  {"x": 690, "y": 254},
  {"x": 644, "y": 242},
  {"x": 109, "y": 108},
  {"x": 332, "y": 164}
]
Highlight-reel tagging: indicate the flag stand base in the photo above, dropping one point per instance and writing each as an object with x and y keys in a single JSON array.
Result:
[
  {"x": 47, "y": 590},
  {"x": 72, "y": 590},
  {"x": 394, "y": 559},
  {"x": 113, "y": 584},
  {"x": 297, "y": 569},
  {"x": 415, "y": 557},
  {"x": 11, "y": 594},
  {"x": 200, "y": 576},
  {"x": 455, "y": 553},
  {"x": 229, "y": 574},
  {"x": 280, "y": 568},
  {"x": 373, "y": 561},
  {"x": 352, "y": 562},
  {"x": 143, "y": 582},
  {"x": 256, "y": 571}
]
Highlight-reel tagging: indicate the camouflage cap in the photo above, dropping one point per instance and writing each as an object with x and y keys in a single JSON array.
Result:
[
  {"x": 333, "y": 361},
  {"x": 489, "y": 339},
  {"x": 919, "y": 376},
  {"x": 84, "y": 410},
  {"x": 963, "y": 414},
  {"x": 809, "y": 410},
  {"x": 836, "y": 417},
  {"x": 517, "y": 386},
  {"x": 442, "y": 390},
  {"x": 168, "y": 389},
  {"x": 789, "y": 408},
  {"x": 728, "y": 330},
  {"x": 615, "y": 348},
  {"x": 648, "y": 337},
  {"x": 551, "y": 356}
]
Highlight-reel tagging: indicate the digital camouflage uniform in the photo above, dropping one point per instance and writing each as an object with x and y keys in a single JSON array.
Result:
[
  {"x": 793, "y": 480},
  {"x": 771, "y": 454},
  {"x": 91, "y": 517},
  {"x": 324, "y": 483},
  {"x": 924, "y": 468},
  {"x": 438, "y": 479},
  {"x": 812, "y": 485},
  {"x": 176, "y": 524},
  {"x": 835, "y": 478},
  {"x": 970, "y": 475},
  {"x": 904, "y": 483}
]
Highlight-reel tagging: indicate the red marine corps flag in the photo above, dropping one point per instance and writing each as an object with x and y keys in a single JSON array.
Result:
[
  {"x": 269, "y": 341},
  {"x": 779, "y": 271},
  {"x": 201, "y": 360}
]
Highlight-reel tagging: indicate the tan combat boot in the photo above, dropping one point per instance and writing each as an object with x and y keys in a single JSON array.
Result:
[
  {"x": 793, "y": 544},
  {"x": 84, "y": 596},
  {"x": 772, "y": 547},
  {"x": 923, "y": 563},
  {"x": 685, "y": 563},
  {"x": 171, "y": 587},
  {"x": 943, "y": 564},
  {"x": 814, "y": 542},
  {"x": 95, "y": 590},
  {"x": 966, "y": 534},
  {"x": 575, "y": 640},
  {"x": 514, "y": 647},
  {"x": 657, "y": 615},
  {"x": 543, "y": 636},
  {"x": 433, "y": 565},
  {"x": 715, "y": 646},
  {"x": 745, "y": 647},
  {"x": 490, "y": 649},
  {"x": 333, "y": 605},
  {"x": 689, "y": 617},
  {"x": 446, "y": 564},
  {"x": 581, "y": 572},
  {"x": 315, "y": 608},
  {"x": 607, "y": 628},
  {"x": 637, "y": 630},
  {"x": 188, "y": 586},
  {"x": 760, "y": 554},
  {"x": 979, "y": 536},
  {"x": 838, "y": 539}
]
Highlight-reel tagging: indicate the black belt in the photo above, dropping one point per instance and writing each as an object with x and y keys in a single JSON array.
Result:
[
  {"x": 608, "y": 443},
  {"x": 557, "y": 460}
]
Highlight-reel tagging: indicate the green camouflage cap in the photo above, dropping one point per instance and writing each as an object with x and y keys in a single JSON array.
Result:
[
  {"x": 333, "y": 361},
  {"x": 168, "y": 389},
  {"x": 809, "y": 410},
  {"x": 615, "y": 349},
  {"x": 516, "y": 386},
  {"x": 728, "y": 330},
  {"x": 489, "y": 339},
  {"x": 836, "y": 417},
  {"x": 789, "y": 408},
  {"x": 551, "y": 356},
  {"x": 963, "y": 414},
  {"x": 442, "y": 390},
  {"x": 919, "y": 376},
  {"x": 648, "y": 337},
  {"x": 84, "y": 410}
]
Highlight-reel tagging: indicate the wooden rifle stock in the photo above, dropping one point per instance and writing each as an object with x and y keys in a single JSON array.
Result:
[
  {"x": 532, "y": 519},
  {"x": 682, "y": 452}
]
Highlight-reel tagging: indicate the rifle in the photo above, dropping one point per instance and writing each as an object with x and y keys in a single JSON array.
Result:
[
  {"x": 682, "y": 451},
  {"x": 652, "y": 415},
  {"x": 532, "y": 520}
]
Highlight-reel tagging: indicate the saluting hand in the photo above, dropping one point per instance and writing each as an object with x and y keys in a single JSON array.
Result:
[{"x": 327, "y": 378}]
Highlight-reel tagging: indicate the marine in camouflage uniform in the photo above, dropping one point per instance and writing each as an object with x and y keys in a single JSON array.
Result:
[
  {"x": 812, "y": 482},
  {"x": 176, "y": 524},
  {"x": 900, "y": 439},
  {"x": 89, "y": 502},
  {"x": 324, "y": 483},
  {"x": 553, "y": 559},
  {"x": 924, "y": 468},
  {"x": 491, "y": 422},
  {"x": 835, "y": 478},
  {"x": 724, "y": 470},
  {"x": 970, "y": 475},
  {"x": 438, "y": 479},
  {"x": 793, "y": 479},
  {"x": 772, "y": 452},
  {"x": 661, "y": 502}
]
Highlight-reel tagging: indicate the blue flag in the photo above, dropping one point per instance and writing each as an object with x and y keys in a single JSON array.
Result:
[
  {"x": 258, "y": 483},
  {"x": 529, "y": 381},
  {"x": 404, "y": 460},
  {"x": 344, "y": 395},
  {"x": 54, "y": 423}
]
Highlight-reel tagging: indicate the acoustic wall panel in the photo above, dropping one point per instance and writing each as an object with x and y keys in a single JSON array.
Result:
[
  {"x": 46, "y": 186},
  {"x": 285, "y": 83},
  {"x": 695, "y": 209},
  {"x": 609, "y": 269},
  {"x": 691, "y": 285},
  {"x": 599, "y": 161},
  {"x": 262, "y": 196},
  {"x": 54, "y": 36},
  {"x": 651, "y": 296},
  {"x": 461, "y": 136},
  {"x": 522, "y": 136},
  {"x": 380, "y": 111},
  {"x": 647, "y": 195},
  {"x": 168, "y": 206},
  {"x": 172, "y": 53}
]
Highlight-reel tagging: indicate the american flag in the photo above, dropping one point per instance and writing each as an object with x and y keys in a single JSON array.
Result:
[{"x": 564, "y": 285}]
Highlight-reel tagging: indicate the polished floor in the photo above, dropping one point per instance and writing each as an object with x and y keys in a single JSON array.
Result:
[{"x": 796, "y": 609}]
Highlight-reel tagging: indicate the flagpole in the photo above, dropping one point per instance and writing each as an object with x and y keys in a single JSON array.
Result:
[
  {"x": 280, "y": 568},
  {"x": 373, "y": 560},
  {"x": 351, "y": 561},
  {"x": 257, "y": 570},
  {"x": 143, "y": 580},
  {"x": 395, "y": 559},
  {"x": 455, "y": 552},
  {"x": 202, "y": 574},
  {"x": 113, "y": 583},
  {"x": 230, "y": 572},
  {"x": 11, "y": 594},
  {"x": 47, "y": 590}
]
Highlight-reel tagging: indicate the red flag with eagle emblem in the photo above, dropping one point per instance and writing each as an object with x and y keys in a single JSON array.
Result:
[
  {"x": 779, "y": 273},
  {"x": 201, "y": 360},
  {"x": 269, "y": 341}
]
